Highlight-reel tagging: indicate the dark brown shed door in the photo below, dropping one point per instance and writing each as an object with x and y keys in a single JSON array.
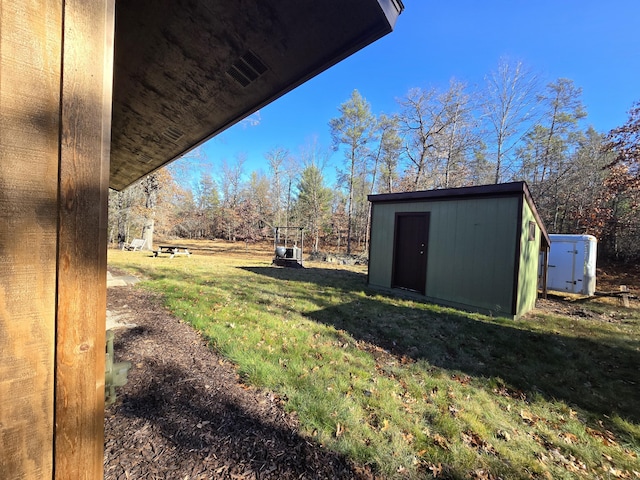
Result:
[{"x": 410, "y": 251}]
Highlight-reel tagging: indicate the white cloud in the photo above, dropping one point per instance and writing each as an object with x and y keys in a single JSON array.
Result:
[{"x": 252, "y": 120}]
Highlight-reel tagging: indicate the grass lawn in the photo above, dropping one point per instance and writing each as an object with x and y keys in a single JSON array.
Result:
[{"x": 413, "y": 389}]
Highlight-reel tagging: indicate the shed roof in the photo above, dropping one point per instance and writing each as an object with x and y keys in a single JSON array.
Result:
[
  {"x": 480, "y": 191},
  {"x": 185, "y": 70}
]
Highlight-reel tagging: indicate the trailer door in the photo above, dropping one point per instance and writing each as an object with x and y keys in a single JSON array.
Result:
[{"x": 566, "y": 262}]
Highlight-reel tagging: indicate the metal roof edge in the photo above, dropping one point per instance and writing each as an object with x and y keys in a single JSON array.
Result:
[{"x": 450, "y": 193}]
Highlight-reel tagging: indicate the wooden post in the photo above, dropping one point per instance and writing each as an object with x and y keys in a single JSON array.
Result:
[
  {"x": 55, "y": 105},
  {"x": 624, "y": 295},
  {"x": 85, "y": 137},
  {"x": 545, "y": 271},
  {"x": 30, "y": 52}
]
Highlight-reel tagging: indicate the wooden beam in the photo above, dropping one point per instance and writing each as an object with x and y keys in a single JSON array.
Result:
[
  {"x": 87, "y": 63},
  {"x": 624, "y": 295},
  {"x": 30, "y": 52}
]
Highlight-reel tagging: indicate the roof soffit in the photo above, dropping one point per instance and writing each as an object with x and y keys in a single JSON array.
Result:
[{"x": 186, "y": 70}]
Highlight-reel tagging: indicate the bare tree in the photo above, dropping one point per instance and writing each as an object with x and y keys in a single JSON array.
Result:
[
  {"x": 231, "y": 186},
  {"x": 253, "y": 207},
  {"x": 292, "y": 171},
  {"x": 388, "y": 153},
  {"x": 140, "y": 209},
  {"x": 624, "y": 141},
  {"x": 277, "y": 158},
  {"x": 583, "y": 185},
  {"x": 508, "y": 107},
  {"x": 313, "y": 202},
  {"x": 458, "y": 138},
  {"x": 620, "y": 203},
  {"x": 421, "y": 121}
]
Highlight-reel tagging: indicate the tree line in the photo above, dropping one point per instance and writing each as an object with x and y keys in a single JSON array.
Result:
[{"x": 513, "y": 128}]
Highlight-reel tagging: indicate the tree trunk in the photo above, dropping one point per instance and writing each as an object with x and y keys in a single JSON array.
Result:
[{"x": 147, "y": 233}]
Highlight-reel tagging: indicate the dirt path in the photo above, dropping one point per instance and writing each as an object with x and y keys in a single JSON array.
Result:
[{"x": 184, "y": 414}]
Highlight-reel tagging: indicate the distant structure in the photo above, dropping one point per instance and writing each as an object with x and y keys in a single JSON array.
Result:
[
  {"x": 572, "y": 264},
  {"x": 474, "y": 248},
  {"x": 288, "y": 256}
]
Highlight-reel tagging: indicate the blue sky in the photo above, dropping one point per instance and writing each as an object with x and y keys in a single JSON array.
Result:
[{"x": 592, "y": 42}]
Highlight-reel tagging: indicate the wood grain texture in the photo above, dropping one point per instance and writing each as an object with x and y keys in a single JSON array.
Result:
[
  {"x": 84, "y": 163},
  {"x": 30, "y": 51}
]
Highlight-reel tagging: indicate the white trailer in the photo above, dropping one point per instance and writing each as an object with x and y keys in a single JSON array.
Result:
[{"x": 572, "y": 264}]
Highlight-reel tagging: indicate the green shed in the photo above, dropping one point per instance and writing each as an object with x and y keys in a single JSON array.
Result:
[{"x": 475, "y": 248}]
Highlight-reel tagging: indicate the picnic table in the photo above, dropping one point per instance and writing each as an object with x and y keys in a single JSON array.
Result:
[{"x": 171, "y": 250}]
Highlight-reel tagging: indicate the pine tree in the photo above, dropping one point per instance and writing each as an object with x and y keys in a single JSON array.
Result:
[{"x": 353, "y": 129}]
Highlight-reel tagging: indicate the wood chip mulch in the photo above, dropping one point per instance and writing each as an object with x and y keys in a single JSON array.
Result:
[{"x": 185, "y": 415}]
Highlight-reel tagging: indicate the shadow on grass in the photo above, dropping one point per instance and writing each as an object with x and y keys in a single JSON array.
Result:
[
  {"x": 345, "y": 280},
  {"x": 598, "y": 376}
]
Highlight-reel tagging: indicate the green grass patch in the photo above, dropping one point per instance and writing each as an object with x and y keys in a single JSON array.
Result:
[{"x": 413, "y": 389}]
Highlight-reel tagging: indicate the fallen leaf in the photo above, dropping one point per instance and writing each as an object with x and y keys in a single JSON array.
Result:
[
  {"x": 435, "y": 470},
  {"x": 440, "y": 441},
  {"x": 570, "y": 438},
  {"x": 616, "y": 473},
  {"x": 406, "y": 360},
  {"x": 462, "y": 380},
  {"x": 385, "y": 425},
  {"x": 607, "y": 437},
  {"x": 473, "y": 440},
  {"x": 528, "y": 417},
  {"x": 483, "y": 475}
]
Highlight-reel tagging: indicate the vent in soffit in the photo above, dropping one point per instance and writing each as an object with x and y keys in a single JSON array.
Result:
[
  {"x": 144, "y": 158},
  {"x": 173, "y": 134},
  {"x": 247, "y": 69}
]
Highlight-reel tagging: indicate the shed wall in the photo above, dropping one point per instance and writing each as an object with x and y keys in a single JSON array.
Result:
[
  {"x": 528, "y": 270},
  {"x": 471, "y": 250}
]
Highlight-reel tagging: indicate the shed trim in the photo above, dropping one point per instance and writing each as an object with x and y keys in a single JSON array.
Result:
[{"x": 516, "y": 260}]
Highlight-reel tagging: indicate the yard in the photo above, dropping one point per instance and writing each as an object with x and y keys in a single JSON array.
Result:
[{"x": 307, "y": 373}]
